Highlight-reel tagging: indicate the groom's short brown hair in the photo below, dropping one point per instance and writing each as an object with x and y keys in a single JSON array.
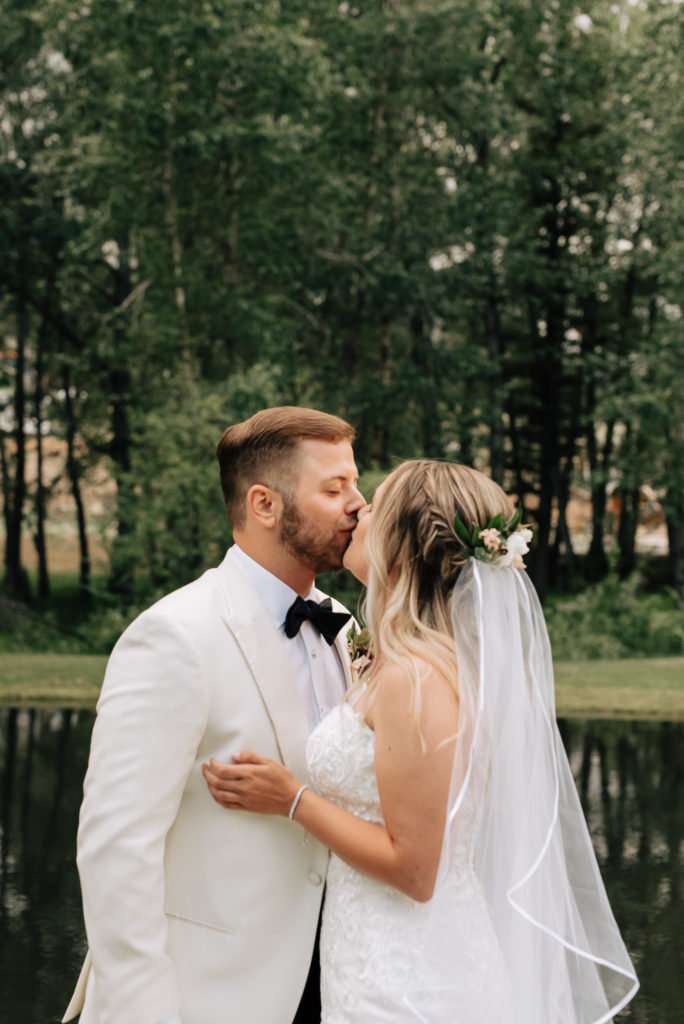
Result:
[{"x": 263, "y": 450}]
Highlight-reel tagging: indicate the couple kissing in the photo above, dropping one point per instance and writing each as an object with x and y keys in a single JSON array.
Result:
[{"x": 239, "y": 768}]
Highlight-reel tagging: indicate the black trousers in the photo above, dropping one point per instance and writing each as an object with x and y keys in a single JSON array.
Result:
[{"x": 309, "y": 1009}]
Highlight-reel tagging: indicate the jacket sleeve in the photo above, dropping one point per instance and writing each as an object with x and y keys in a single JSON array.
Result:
[{"x": 151, "y": 716}]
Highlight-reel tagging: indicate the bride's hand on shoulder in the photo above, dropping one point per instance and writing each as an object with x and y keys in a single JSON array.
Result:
[{"x": 251, "y": 783}]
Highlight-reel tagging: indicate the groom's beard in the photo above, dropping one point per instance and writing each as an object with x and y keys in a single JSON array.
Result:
[{"x": 313, "y": 547}]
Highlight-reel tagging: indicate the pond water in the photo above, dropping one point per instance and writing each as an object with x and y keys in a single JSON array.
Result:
[{"x": 630, "y": 776}]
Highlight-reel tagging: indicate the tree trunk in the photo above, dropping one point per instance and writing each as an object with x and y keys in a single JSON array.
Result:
[
  {"x": 674, "y": 503},
  {"x": 39, "y": 538},
  {"x": 548, "y": 390},
  {"x": 562, "y": 560},
  {"x": 74, "y": 473},
  {"x": 496, "y": 422},
  {"x": 381, "y": 429},
  {"x": 629, "y": 519},
  {"x": 172, "y": 225},
  {"x": 596, "y": 561},
  {"x": 6, "y": 487},
  {"x": 122, "y": 574},
  {"x": 540, "y": 562},
  {"x": 675, "y": 554},
  {"x": 520, "y": 486},
  {"x": 16, "y": 580},
  {"x": 423, "y": 357},
  {"x": 548, "y": 378}
]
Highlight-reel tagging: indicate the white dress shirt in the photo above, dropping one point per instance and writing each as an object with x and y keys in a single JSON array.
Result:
[{"x": 315, "y": 663}]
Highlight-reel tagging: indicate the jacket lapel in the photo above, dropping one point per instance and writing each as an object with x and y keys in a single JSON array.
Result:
[{"x": 260, "y": 642}]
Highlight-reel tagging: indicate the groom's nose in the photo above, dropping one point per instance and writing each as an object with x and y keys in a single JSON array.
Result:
[{"x": 356, "y": 502}]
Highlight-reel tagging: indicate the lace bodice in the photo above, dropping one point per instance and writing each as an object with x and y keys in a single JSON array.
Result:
[
  {"x": 348, "y": 781},
  {"x": 376, "y": 943}
]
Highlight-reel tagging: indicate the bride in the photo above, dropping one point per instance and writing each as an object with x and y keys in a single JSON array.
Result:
[{"x": 462, "y": 888}]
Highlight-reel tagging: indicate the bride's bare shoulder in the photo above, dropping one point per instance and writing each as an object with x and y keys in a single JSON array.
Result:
[{"x": 413, "y": 693}]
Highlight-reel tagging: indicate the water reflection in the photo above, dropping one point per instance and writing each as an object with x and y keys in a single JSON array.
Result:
[
  {"x": 43, "y": 756},
  {"x": 629, "y": 775}
]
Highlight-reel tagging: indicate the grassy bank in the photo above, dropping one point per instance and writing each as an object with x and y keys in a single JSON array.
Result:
[
  {"x": 62, "y": 680},
  {"x": 645, "y": 688}
]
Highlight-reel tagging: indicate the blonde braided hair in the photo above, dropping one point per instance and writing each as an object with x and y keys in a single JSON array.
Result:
[{"x": 415, "y": 557}]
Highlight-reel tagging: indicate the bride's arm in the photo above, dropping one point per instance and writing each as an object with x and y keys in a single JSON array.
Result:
[{"x": 413, "y": 768}]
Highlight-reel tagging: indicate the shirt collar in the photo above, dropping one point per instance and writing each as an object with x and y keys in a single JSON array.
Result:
[{"x": 276, "y": 595}]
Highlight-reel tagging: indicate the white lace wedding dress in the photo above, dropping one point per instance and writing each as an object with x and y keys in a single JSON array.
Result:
[{"x": 385, "y": 957}]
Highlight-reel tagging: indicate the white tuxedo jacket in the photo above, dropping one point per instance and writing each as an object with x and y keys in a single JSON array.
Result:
[{"x": 189, "y": 908}]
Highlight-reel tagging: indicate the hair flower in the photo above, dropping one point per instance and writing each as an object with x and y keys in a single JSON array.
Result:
[
  {"x": 492, "y": 539},
  {"x": 501, "y": 543},
  {"x": 517, "y": 545}
]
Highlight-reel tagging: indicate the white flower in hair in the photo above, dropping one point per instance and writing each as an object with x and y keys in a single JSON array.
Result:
[
  {"x": 515, "y": 546},
  {"x": 500, "y": 543}
]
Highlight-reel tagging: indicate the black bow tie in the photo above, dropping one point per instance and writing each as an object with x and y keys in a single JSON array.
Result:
[{"x": 327, "y": 622}]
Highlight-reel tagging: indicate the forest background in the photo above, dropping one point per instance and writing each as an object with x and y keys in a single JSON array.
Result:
[{"x": 457, "y": 225}]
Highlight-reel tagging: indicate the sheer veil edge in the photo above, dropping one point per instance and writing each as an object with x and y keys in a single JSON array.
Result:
[{"x": 554, "y": 954}]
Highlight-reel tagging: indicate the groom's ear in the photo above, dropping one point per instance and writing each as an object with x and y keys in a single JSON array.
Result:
[{"x": 264, "y": 505}]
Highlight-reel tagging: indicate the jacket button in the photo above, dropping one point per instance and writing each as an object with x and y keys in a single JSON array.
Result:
[{"x": 315, "y": 878}]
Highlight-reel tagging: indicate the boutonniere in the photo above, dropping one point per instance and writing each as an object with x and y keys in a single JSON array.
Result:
[
  {"x": 501, "y": 543},
  {"x": 358, "y": 646}
]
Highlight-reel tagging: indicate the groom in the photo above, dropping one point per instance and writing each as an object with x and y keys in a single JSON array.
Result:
[{"x": 195, "y": 916}]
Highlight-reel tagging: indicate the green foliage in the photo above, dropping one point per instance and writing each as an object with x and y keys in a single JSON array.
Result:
[
  {"x": 615, "y": 619},
  {"x": 171, "y": 503},
  {"x": 457, "y": 225},
  {"x": 21, "y": 629}
]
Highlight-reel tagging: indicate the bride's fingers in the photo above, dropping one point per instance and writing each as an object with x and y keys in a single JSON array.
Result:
[
  {"x": 249, "y": 757},
  {"x": 227, "y": 800},
  {"x": 225, "y": 793},
  {"x": 228, "y": 771},
  {"x": 220, "y": 782}
]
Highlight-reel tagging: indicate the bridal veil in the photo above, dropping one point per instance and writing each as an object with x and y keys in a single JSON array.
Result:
[{"x": 515, "y": 810}]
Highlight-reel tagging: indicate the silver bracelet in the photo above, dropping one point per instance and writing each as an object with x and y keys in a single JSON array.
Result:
[{"x": 296, "y": 800}]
